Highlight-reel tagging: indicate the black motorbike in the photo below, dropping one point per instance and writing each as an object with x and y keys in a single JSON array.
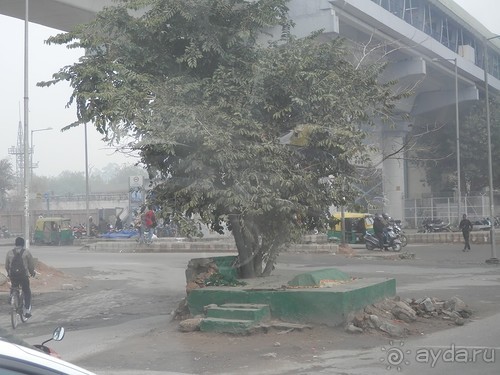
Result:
[
  {"x": 4, "y": 232},
  {"x": 434, "y": 226},
  {"x": 391, "y": 241},
  {"x": 396, "y": 226}
]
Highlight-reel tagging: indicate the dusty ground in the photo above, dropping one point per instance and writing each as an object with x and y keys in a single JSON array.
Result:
[
  {"x": 47, "y": 279},
  {"x": 210, "y": 353}
]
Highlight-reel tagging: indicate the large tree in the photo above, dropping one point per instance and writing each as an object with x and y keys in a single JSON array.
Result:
[
  {"x": 256, "y": 138},
  {"x": 439, "y": 158},
  {"x": 7, "y": 182}
]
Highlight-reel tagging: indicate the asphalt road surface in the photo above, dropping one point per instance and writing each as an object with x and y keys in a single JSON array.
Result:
[{"x": 117, "y": 308}]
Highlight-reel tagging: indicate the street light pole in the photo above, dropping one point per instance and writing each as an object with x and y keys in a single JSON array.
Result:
[
  {"x": 33, "y": 150},
  {"x": 87, "y": 183},
  {"x": 457, "y": 121},
  {"x": 26, "y": 133},
  {"x": 493, "y": 259}
]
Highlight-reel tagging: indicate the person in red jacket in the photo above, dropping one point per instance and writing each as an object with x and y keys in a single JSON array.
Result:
[{"x": 150, "y": 222}]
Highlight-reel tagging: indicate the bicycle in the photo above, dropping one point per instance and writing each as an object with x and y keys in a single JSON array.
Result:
[{"x": 17, "y": 306}]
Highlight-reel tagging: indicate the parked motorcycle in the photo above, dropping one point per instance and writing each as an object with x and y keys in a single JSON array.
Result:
[
  {"x": 481, "y": 224},
  {"x": 58, "y": 335},
  {"x": 391, "y": 241},
  {"x": 434, "y": 226},
  {"x": 79, "y": 231},
  {"x": 396, "y": 226},
  {"x": 4, "y": 232}
]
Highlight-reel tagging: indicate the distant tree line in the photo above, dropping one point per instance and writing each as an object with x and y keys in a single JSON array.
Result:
[{"x": 112, "y": 178}]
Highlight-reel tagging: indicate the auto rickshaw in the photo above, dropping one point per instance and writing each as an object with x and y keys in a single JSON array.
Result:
[
  {"x": 356, "y": 224},
  {"x": 53, "y": 231}
]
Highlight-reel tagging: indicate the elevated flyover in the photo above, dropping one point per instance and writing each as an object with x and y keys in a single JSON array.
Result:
[{"x": 421, "y": 39}]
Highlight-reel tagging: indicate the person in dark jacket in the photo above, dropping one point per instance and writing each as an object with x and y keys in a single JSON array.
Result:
[
  {"x": 466, "y": 226},
  {"x": 118, "y": 223},
  {"x": 378, "y": 229},
  {"x": 23, "y": 280}
]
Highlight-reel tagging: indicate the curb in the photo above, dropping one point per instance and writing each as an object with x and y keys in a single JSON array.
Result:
[{"x": 194, "y": 247}]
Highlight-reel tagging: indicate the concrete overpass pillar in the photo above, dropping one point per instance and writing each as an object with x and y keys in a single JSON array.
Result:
[{"x": 393, "y": 170}]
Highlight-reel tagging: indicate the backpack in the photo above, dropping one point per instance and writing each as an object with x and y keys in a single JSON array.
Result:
[{"x": 17, "y": 269}]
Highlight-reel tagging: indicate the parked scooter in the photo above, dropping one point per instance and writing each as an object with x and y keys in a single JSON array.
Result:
[
  {"x": 391, "y": 241},
  {"x": 79, "y": 231},
  {"x": 4, "y": 232},
  {"x": 58, "y": 335},
  {"x": 433, "y": 226},
  {"x": 396, "y": 226}
]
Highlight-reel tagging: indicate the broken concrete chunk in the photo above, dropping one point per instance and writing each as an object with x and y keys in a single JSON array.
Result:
[
  {"x": 393, "y": 330},
  {"x": 375, "y": 320},
  {"x": 428, "y": 305},
  {"x": 190, "y": 325},
  {"x": 403, "y": 312},
  {"x": 455, "y": 304},
  {"x": 351, "y": 328}
]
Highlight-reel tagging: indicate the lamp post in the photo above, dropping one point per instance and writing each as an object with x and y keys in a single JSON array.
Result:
[
  {"x": 493, "y": 259},
  {"x": 87, "y": 183},
  {"x": 33, "y": 149},
  {"x": 25, "y": 133},
  {"x": 457, "y": 122}
]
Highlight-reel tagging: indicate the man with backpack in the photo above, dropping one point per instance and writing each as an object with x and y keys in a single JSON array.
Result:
[{"x": 19, "y": 265}]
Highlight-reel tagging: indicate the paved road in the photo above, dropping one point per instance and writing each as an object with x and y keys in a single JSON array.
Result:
[
  {"x": 440, "y": 271},
  {"x": 119, "y": 321}
]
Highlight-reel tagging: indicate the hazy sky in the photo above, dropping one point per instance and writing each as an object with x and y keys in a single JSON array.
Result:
[{"x": 56, "y": 151}]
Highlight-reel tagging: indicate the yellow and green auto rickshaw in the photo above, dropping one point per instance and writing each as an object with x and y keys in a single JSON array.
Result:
[
  {"x": 356, "y": 224},
  {"x": 53, "y": 231}
]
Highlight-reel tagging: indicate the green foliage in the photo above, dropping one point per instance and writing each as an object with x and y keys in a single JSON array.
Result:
[
  {"x": 440, "y": 151},
  {"x": 218, "y": 279},
  {"x": 7, "y": 182},
  {"x": 210, "y": 107},
  {"x": 112, "y": 178}
]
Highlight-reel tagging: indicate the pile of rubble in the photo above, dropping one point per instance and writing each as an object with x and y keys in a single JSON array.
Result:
[
  {"x": 199, "y": 270},
  {"x": 395, "y": 316}
]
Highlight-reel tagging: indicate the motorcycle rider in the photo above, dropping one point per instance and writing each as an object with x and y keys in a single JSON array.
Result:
[
  {"x": 386, "y": 218},
  {"x": 387, "y": 221},
  {"x": 378, "y": 228}
]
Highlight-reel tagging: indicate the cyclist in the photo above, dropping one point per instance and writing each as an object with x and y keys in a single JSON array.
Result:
[{"x": 21, "y": 277}]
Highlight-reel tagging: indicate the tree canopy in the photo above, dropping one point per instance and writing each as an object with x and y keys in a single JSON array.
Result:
[
  {"x": 257, "y": 138},
  {"x": 111, "y": 178},
  {"x": 440, "y": 151},
  {"x": 7, "y": 182}
]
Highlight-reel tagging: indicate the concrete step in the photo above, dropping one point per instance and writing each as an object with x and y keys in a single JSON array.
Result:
[
  {"x": 235, "y": 318},
  {"x": 253, "y": 312},
  {"x": 219, "y": 325}
]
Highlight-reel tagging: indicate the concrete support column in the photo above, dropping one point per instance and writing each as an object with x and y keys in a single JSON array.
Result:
[{"x": 393, "y": 170}]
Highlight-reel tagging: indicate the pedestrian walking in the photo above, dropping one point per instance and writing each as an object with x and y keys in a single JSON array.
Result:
[{"x": 466, "y": 226}]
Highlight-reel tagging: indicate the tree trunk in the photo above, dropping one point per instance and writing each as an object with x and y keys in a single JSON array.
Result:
[
  {"x": 257, "y": 263},
  {"x": 245, "y": 255}
]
